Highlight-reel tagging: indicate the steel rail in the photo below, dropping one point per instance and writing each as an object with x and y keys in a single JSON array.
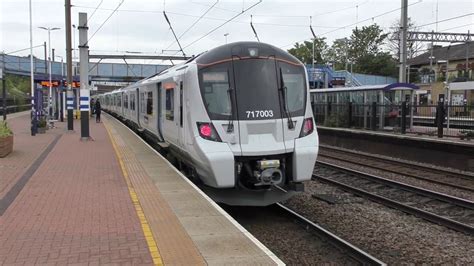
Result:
[
  {"x": 466, "y": 175},
  {"x": 421, "y": 191},
  {"x": 397, "y": 172},
  {"x": 455, "y": 225},
  {"x": 352, "y": 251}
]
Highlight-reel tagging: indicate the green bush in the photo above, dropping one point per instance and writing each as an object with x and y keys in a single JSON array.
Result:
[
  {"x": 5, "y": 131},
  {"x": 42, "y": 123},
  {"x": 336, "y": 120}
]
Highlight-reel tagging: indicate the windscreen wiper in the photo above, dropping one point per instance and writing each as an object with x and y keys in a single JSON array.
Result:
[
  {"x": 283, "y": 90},
  {"x": 230, "y": 124}
]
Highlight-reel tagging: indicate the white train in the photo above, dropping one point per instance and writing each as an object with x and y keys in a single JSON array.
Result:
[{"x": 237, "y": 118}]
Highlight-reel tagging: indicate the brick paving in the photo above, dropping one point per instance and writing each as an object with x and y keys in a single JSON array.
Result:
[
  {"x": 75, "y": 208},
  {"x": 25, "y": 151}
]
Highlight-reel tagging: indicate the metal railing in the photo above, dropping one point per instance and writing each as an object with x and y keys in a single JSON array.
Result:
[
  {"x": 434, "y": 120},
  {"x": 15, "y": 108}
]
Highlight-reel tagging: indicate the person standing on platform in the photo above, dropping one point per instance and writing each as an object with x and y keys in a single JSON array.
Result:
[
  {"x": 92, "y": 107},
  {"x": 97, "y": 111}
]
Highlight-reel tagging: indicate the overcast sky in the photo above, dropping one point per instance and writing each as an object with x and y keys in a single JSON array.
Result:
[{"x": 139, "y": 25}]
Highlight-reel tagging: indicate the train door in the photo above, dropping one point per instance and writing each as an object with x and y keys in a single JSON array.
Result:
[
  {"x": 159, "y": 113},
  {"x": 180, "y": 109},
  {"x": 136, "y": 104},
  {"x": 260, "y": 119},
  {"x": 121, "y": 104},
  {"x": 169, "y": 93}
]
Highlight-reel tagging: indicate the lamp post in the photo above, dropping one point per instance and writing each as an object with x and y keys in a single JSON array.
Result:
[
  {"x": 74, "y": 42},
  {"x": 4, "y": 89},
  {"x": 61, "y": 109},
  {"x": 34, "y": 111},
  {"x": 225, "y": 35},
  {"x": 49, "y": 66}
]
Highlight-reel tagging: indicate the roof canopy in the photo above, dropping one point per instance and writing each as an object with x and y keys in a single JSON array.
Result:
[
  {"x": 383, "y": 87},
  {"x": 401, "y": 86}
]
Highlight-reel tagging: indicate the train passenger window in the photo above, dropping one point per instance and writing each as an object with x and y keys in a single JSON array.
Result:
[
  {"x": 125, "y": 101},
  {"x": 181, "y": 104},
  {"x": 142, "y": 102},
  {"x": 149, "y": 103},
  {"x": 170, "y": 104},
  {"x": 132, "y": 102},
  {"x": 119, "y": 101}
]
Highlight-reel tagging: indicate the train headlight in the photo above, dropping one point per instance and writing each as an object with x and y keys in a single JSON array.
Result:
[
  {"x": 253, "y": 52},
  {"x": 207, "y": 131},
  {"x": 308, "y": 127}
]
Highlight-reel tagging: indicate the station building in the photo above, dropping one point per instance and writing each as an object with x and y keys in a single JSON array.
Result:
[{"x": 430, "y": 73}]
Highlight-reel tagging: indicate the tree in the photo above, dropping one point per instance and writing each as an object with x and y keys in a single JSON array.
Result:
[
  {"x": 365, "y": 50},
  {"x": 365, "y": 41},
  {"x": 379, "y": 64},
  {"x": 414, "y": 48},
  {"x": 338, "y": 53},
  {"x": 304, "y": 51}
]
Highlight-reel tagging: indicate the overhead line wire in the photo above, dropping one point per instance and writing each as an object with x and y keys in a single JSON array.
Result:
[
  {"x": 457, "y": 27},
  {"x": 101, "y": 1},
  {"x": 448, "y": 19},
  {"x": 217, "y": 19},
  {"x": 195, "y": 22},
  {"x": 172, "y": 30},
  {"x": 218, "y": 27},
  {"x": 358, "y": 22},
  {"x": 220, "y": 8},
  {"x": 115, "y": 10}
]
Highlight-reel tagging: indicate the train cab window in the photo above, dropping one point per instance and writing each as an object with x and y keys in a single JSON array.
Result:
[
  {"x": 170, "y": 104},
  {"x": 295, "y": 83},
  {"x": 214, "y": 83},
  {"x": 149, "y": 103}
]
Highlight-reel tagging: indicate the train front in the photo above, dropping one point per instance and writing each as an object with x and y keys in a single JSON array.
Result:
[{"x": 261, "y": 142}]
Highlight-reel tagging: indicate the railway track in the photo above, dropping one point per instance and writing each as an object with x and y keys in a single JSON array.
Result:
[
  {"x": 461, "y": 181},
  {"x": 296, "y": 239},
  {"x": 449, "y": 211},
  {"x": 354, "y": 252}
]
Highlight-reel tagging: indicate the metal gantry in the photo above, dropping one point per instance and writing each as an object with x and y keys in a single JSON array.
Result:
[{"x": 430, "y": 36}]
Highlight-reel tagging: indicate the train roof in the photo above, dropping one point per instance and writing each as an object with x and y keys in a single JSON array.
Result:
[
  {"x": 226, "y": 52},
  {"x": 384, "y": 87}
]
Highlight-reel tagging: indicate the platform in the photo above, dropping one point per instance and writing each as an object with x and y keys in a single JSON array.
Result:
[{"x": 113, "y": 200}]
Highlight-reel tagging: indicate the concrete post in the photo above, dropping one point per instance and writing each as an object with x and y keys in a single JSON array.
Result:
[
  {"x": 84, "y": 75},
  {"x": 403, "y": 41}
]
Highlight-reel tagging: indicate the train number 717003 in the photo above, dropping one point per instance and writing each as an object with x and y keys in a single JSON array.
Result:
[{"x": 259, "y": 113}]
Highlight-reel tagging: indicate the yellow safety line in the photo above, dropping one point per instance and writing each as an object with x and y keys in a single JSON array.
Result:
[{"x": 155, "y": 254}]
